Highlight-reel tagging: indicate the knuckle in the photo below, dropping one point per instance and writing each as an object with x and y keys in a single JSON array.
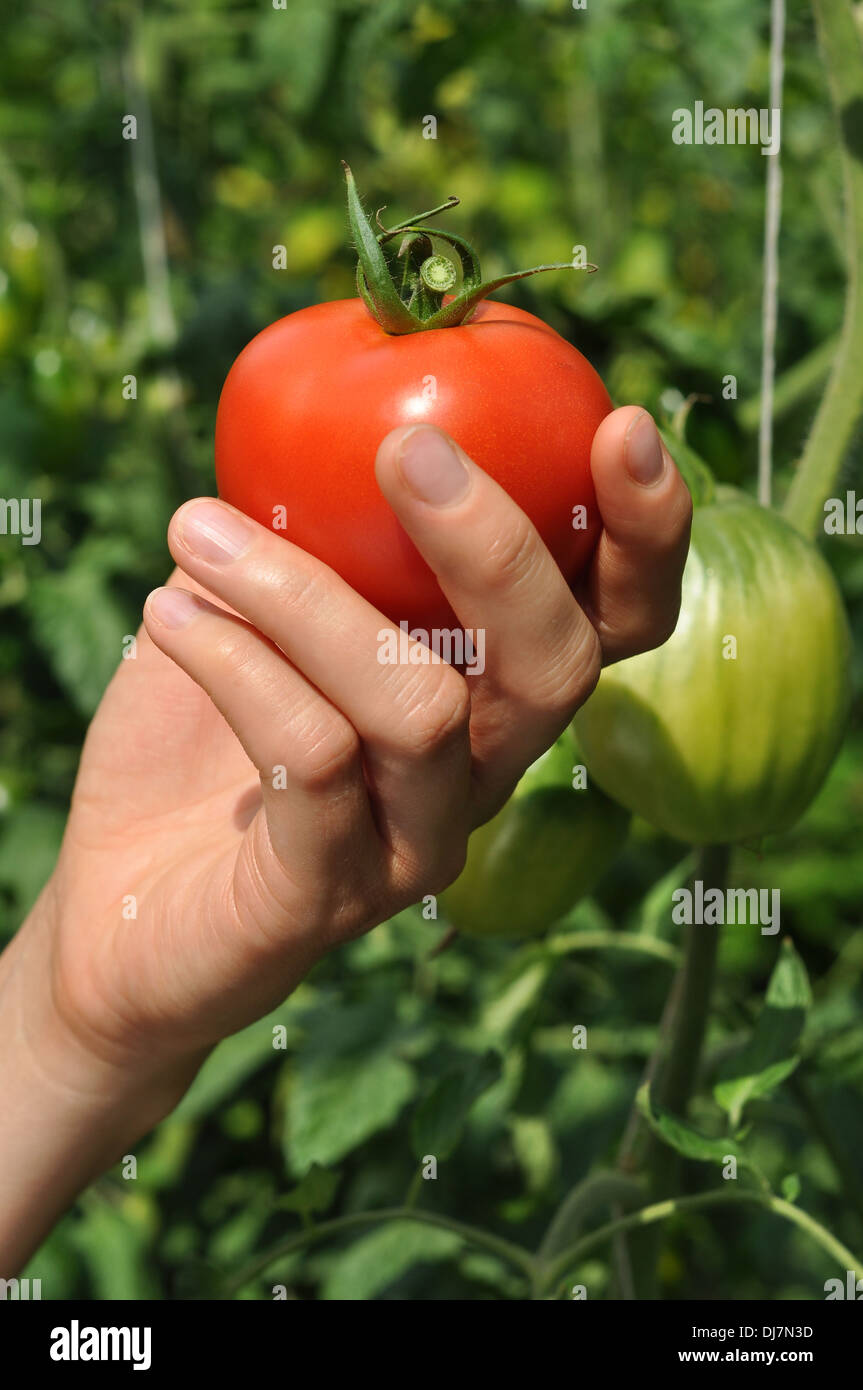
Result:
[
  {"x": 297, "y": 589},
  {"x": 659, "y": 631},
  {"x": 440, "y": 713},
  {"x": 449, "y": 866},
  {"x": 235, "y": 653},
  {"x": 669, "y": 542},
  {"x": 417, "y": 875},
  {"x": 351, "y": 918},
  {"x": 511, "y": 559},
  {"x": 651, "y": 629},
  {"x": 331, "y": 756},
  {"x": 567, "y": 681}
]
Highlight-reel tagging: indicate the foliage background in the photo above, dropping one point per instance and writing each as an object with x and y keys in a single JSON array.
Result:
[{"x": 554, "y": 128}]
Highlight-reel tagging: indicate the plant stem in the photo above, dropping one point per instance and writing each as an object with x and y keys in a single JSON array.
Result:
[
  {"x": 790, "y": 389},
  {"x": 772, "y": 215},
  {"x": 689, "y": 1020},
  {"x": 839, "y": 413},
  {"x": 633, "y": 943},
  {"x": 148, "y": 198},
  {"x": 485, "y": 1240},
  {"x": 659, "y": 1211},
  {"x": 672, "y": 1069}
]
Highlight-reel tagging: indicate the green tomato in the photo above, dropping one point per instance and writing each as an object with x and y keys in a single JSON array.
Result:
[
  {"x": 540, "y": 854},
  {"x": 727, "y": 731}
]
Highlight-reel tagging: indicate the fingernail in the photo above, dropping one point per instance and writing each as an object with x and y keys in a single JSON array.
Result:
[
  {"x": 214, "y": 533},
  {"x": 431, "y": 468},
  {"x": 642, "y": 451},
  {"x": 173, "y": 607}
]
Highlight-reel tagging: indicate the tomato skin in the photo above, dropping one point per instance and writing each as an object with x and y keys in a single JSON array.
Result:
[
  {"x": 544, "y": 851},
  {"x": 714, "y": 750},
  {"x": 308, "y": 401}
]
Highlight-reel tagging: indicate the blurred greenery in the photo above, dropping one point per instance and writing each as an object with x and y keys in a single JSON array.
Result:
[{"x": 554, "y": 129}]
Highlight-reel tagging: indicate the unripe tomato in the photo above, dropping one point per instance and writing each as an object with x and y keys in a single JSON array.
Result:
[
  {"x": 727, "y": 731},
  {"x": 546, "y": 849},
  {"x": 308, "y": 401}
]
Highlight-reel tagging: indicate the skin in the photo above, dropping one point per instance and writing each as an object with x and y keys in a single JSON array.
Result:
[{"x": 241, "y": 886}]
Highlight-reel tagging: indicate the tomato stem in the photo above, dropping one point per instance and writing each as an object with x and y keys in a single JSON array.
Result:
[
  {"x": 410, "y": 299},
  {"x": 839, "y": 413}
]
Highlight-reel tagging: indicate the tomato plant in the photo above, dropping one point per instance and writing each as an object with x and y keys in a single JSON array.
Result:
[
  {"x": 546, "y": 849},
  {"x": 309, "y": 400},
  {"x": 727, "y": 731}
]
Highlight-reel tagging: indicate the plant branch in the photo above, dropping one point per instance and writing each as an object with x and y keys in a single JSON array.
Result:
[
  {"x": 841, "y": 407},
  {"x": 689, "y": 1021},
  {"x": 633, "y": 943},
  {"x": 148, "y": 199},
  {"x": 772, "y": 214},
  {"x": 505, "y": 1250},
  {"x": 557, "y": 1270},
  {"x": 673, "y": 1067}
]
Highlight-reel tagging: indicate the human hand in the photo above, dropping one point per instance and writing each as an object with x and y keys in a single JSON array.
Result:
[
  {"x": 240, "y": 885},
  {"x": 193, "y": 891}
]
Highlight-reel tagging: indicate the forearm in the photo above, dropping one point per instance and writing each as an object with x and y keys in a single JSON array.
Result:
[{"x": 65, "y": 1114}]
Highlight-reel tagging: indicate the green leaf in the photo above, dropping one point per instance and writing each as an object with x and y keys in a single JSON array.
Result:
[
  {"x": 691, "y": 467},
  {"x": 683, "y": 1138},
  {"x": 78, "y": 622},
  {"x": 314, "y": 1193},
  {"x": 791, "y": 1187},
  {"x": 29, "y": 845},
  {"x": 114, "y": 1247},
  {"x": 771, "y": 1054},
  {"x": 517, "y": 990},
  {"x": 377, "y": 1260},
  {"x": 534, "y": 1147},
  {"x": 336, "y": 1103},
  {"x": 654, "y": 916},
  {"x": 234, "y": 1060},
  {"x": 440, "y": 1119},
  {"x": 293, "y": 48}
]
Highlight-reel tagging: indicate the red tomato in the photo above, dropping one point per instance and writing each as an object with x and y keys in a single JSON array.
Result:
[{"x": 307, "y": 403}]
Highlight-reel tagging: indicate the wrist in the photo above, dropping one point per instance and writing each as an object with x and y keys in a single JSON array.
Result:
[
  {"x": 67, "y": 1113},
  {"x": 55, "y": 1040}
]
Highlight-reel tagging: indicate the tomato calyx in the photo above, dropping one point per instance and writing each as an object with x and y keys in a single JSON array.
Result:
[{"x": 411, "y": 300}]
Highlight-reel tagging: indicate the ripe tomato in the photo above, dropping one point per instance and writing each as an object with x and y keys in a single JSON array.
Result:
[
  {"x": 307, "y": 403},
  {"x": 727, "y": 731},
  {"x": 546, "y": 849}
]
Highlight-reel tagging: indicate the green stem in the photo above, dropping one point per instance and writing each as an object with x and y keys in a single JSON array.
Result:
[
  {"x": 841, "y": 405},
  {"x": 505, "y": 1250},
  {"x": 673, "y": 1068},
  {"x": 689, "y": 1020},
  {"x": 556, "y": 1272},
  {"x": 793, "y": 386},
  {"x": 415, "y": 304},
  {"x": 633, "y": 943},
  {"x": 770, "y": 302}
]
